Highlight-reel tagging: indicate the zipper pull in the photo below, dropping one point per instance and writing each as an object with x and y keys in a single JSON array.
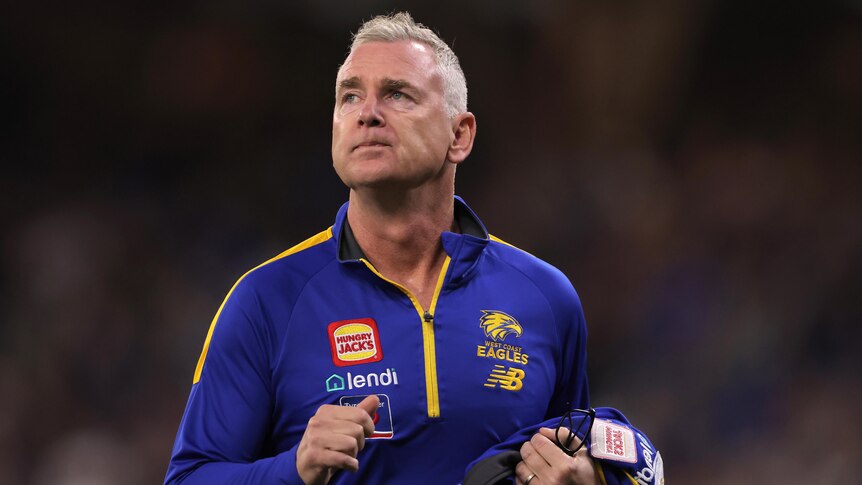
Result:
[{"x": 428, "y": 316}]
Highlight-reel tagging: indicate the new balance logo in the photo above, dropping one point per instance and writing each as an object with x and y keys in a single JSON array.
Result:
[{"x": 511, "y": 379}]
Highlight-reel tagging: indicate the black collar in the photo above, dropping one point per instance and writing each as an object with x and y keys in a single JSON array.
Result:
[{"x": 468, "y": 223}]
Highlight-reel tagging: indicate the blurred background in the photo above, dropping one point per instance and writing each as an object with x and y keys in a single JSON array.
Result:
[{"x": 693, "y": 167}]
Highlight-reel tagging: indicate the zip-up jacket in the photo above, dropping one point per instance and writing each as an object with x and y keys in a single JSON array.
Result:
[{"x": 501, "y": 347}]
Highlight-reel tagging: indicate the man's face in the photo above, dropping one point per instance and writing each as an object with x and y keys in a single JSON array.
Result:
[{"x": 389, "y": 125}]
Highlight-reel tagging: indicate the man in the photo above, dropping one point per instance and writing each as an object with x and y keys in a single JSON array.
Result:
[{"x": 402, "y": 342}]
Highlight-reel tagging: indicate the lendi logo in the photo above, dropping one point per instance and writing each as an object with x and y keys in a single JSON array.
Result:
[{"x": 336, "y": 382}]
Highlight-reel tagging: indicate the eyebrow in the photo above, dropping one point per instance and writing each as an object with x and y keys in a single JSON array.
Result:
[
  {"x": 388, "y": 84},
  {"x": 397, "y": 85},
  {"x": 349, "y": 83}
]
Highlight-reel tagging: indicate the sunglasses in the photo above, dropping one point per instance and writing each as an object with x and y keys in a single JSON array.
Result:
[{"x": 574, "y": 423}]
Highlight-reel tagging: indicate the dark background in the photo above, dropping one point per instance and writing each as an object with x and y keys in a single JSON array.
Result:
[{"x": 693, "y": 167}]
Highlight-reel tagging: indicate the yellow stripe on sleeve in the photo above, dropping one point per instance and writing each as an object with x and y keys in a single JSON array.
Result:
[
  {"x": 497, "y": 239},
  {"x": 312, "y": 241}
]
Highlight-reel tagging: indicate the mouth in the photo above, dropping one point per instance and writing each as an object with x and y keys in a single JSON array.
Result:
[{"x": 371, "y": 144}]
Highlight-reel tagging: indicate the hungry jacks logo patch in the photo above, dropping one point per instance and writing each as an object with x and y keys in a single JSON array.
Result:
[{"x": 355, "y": 341}]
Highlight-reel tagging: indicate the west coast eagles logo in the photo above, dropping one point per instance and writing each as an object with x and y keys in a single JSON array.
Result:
[{"x": 498, "y": 325}]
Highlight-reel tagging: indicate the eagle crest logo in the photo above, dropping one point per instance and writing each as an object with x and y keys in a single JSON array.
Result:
[{"x": 498, "y": 325}]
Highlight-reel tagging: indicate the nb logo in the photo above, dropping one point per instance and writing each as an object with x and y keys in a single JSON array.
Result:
[{"x": 511, "y": 379}]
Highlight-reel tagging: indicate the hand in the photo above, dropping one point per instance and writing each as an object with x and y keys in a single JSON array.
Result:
[
  {"x": 333, "y": 438},
  {"x": 549, "y": 465}
]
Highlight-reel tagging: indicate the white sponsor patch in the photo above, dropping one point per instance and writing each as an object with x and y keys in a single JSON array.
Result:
[
  {"x": 613, "y": 442},
  {"x": 659, "y": 469},
  {"x": 653, "y": 472}
]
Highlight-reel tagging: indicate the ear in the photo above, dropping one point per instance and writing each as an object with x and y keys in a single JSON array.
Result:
[{"x": 464, "y": 129}]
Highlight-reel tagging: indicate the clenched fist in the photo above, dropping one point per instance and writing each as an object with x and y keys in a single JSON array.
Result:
[{"x": 333, "y": 438}]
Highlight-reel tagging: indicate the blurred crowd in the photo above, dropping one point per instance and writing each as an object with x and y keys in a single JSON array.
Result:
[{"x": 693, "y": 167}]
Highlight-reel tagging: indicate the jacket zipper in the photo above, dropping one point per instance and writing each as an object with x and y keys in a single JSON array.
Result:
[{"x": 428, "y": 342}]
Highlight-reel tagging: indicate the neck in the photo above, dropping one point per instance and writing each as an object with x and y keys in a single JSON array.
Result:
[{"x": 400, "y": 234}]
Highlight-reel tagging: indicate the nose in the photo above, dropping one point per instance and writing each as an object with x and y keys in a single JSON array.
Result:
[{"x": 370, "y": 114}]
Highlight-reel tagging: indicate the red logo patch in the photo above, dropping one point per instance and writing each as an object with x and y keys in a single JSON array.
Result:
[{"x": 355, "y": 342}]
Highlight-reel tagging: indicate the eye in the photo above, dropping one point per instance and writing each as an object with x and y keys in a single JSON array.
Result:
[
  {"x": 349, "y": 98},
  {"x": 399, "y": 96}
]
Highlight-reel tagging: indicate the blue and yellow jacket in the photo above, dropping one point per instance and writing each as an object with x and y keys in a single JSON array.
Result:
[{"x": 501, "y": 347}]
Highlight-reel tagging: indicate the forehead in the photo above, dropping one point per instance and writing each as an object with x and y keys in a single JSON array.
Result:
[{"x": 408, "y": 60}]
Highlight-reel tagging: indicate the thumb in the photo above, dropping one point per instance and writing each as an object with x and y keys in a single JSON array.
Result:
[
  {"x": 551, "y": 433},
  {"x": 370, "y": 404}
]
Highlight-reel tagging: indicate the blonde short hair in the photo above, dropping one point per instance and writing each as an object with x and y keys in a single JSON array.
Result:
[{"x": 401, "y": 26}]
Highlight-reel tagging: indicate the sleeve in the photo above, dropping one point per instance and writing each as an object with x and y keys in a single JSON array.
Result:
[
  {"x": 226, "y": 423},
  {"x": 572, "y": 385}
]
